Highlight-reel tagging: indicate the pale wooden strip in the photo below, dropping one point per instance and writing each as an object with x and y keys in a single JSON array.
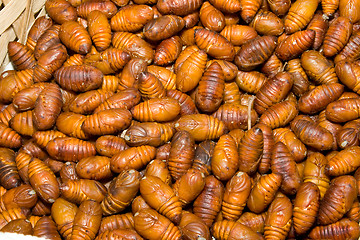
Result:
[
  {"x": 37, "y": 5},
  {"x": 27, "y": 16},
  {"x": 20, "y": 24},
  {"x": 42, "y": 12},
  {"x": 10, "y": 13}
]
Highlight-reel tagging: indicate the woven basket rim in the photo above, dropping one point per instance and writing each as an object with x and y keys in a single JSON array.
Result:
[{"x": 16, "y": 17}]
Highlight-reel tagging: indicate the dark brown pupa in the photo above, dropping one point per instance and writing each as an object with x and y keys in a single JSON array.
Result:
[
  {"x": 214, "y": 44},
  {"x": 21, "y": 56},
  {"x": 209, "y": 94},
  {"x": 255, "y": 52},
  {"x": 79, "y": 78}
]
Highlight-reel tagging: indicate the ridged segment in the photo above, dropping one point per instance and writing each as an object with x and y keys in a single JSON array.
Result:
[
  {"x": 48, "y": 39},
  {"x": 294, "y": 65},
  {"x": 168, "y": 51},
  {"x": 40, "y": 25},
  {"x": 249, "y": 9},
  {"x": 124, "y": 99},
  {"x": 87, "y": 102},
  {"x": 182, "y": 152},
  {"x": 99, "y": 30},
  {"x": 110, "y": 83},
  {"x": 150, "y": 86},
  {"x": 299, "y": 15},
  {"x": 118, "y": 234},
  {"x": 50, "y": 61},
  {"x": 70, "y": 149},
  {"x": 250, "y": 150},
  {"x": 87, "y": 221},
  {"x": 131, "y": 18},
  {"x": 122, "y": 191},
  {"x": 9, "y": 138},
  {"x": 221, "y": 230},
  {"x": 273, "y": 91},
  {"x": 343, "y": 110},
  {"x": 294, "y": 21},
  {"x": 26, "y": 98},
  {"x": 134, "y": 45},
  {"x": 77, "y": 191},
  {"x": 22, "y": 160},
  {"x": 216, "y": 128},
  {"x": 9, "y": 175},
  {"x": 191, "y": 71},
  {"x": 150, "y": 224},
  {"x": 75, "y": 59},
  {"x": 344, "y": 229},
  {"x": 263, "y": 192},
  {"x": 337, "y": 200},
  {"x": 349, "y": 74},
  {"x": 7, "y": 114},
  {"x": 225, "y": 161},
  {"x": 107, "y": 122},
  {"x": 310, "y": 133},
  {"x": 14, "y": 81},
  {"x": 70, "y": 124},
  {"x": 21, "y": 56},
  {"x": 156, "y": 110},
  {"x": 329, "y": 6},
  {"x": 208, "y": 204},
  {"x": 296, "y": 147},
  {"x": 318, "y": 98},
  {"x": 344, "y": 162},
  {"x": 351, "y": 51},
  {"x": 110, "y": 145},
  {"x": 63, "y": 213},
  {"x": 210, "y": 89},
  {"x": 47, "y": 107},
  {"x": 167, "y": 77},
  {"x": 278, "y": 220},
  {"x": 111, "y": 60},
  {"x": 256, "y": 222},
  {"x": 10, "y": 215},
  {"x": 232, "y": 93},
  {"x": 306, "y": 206},
  {"x": 323, "y": 73},
  {"x": 282, "y": 162},
  {"x": 23, "y": 123},
  {"x": 135, "y": 157},
  {"x": 280, "y": 114},
  {"x": 86, "y": 7},
  {"x": 314, "y": 171},
  {"x": 43, "y": 180},
  {"x": 161, "y": 197},
  {"x": 303, "y": 40},
  {"x": 75, "y": 37},
  {"x": 228, "y": 6},
  {"x": 269, "y": 142},
  {"x": 177, "y": 7},
  {"x": 172, "y": 233},
  {"x": 214, "y": 44},
  {"x": 79, "y": 78},
  {"x": 119, "y": 221},
  {"x": 236, "y": 194},
  {"x": 337, "y": 36},
  {"x": 250, "y": 82}
]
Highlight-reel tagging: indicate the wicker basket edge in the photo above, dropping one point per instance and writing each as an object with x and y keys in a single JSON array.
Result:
[{"x": 16, "y": 17}]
